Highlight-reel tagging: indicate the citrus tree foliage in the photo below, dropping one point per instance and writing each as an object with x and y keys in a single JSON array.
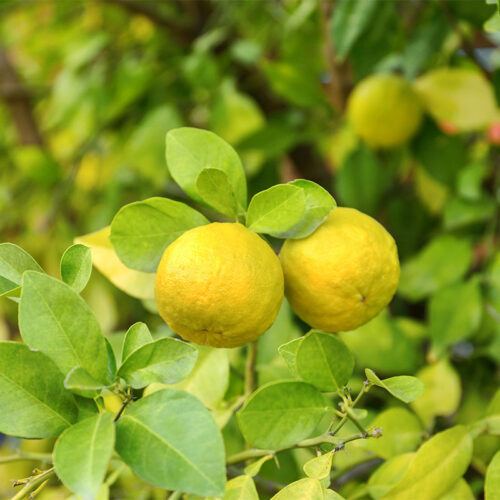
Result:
[{"x": 126, "y": 124}]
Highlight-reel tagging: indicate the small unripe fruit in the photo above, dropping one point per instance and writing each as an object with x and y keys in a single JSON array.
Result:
[{"x": 384, "y": 110}]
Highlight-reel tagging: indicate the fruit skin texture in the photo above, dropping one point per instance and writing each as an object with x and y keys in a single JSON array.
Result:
[
  {"x": 343, "y": 274},
  {"x": 384, "y": 110},
  {"x": 219, "y": 285}
]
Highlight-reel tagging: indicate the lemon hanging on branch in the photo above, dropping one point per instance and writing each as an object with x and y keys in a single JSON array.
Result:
[
  {"x": 384, "y": 110},
  {"x": 343, "y": 274},
  {"x": 219, "y": 284}
]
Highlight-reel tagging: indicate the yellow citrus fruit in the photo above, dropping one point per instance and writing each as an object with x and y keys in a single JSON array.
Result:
[
  {"x": 220, "y": 285},
  {"x": 343, "y": 274},
  {"x": 384, "y": 110}
]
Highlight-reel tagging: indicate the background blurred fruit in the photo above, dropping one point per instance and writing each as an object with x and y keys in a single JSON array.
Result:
[{"x": 384, "y": 110}]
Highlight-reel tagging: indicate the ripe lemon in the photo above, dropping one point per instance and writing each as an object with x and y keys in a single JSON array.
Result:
[
  {"x": 343, "y": 274},
  {"x": 220, "y": 285},
  {"x": 384, "y": 110}
]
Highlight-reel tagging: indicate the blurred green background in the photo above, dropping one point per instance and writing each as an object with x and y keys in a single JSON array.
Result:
[{"x": 88, "y": 90}]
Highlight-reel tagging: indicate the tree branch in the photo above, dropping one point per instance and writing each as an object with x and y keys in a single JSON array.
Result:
[
  {"x": 26, "y": 455},
  {"x": 337, "y": 87},
  {"x": 33, "y": 483},
  {"x": 326, "y": 438},
  {"x": 17, "y": 99}
]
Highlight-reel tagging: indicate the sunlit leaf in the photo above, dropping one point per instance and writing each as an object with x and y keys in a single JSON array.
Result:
[
  {"x": 183, "y": 450},
  {"x": 436, "y": 467},
  {"x": 281, "y": 414},
  {"x": 404, "y": 387},
  {"x": 104, "y": 258}
]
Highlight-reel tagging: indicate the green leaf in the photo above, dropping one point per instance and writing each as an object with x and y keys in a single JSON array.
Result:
[
  {"x": 492, "y": 25},
  {"x": 402, "y": 432},
  {"x": 104, "y": 258},
  {"x": 442, "y": 392},
  {"x": 190, "y": 150},
  {"x": 82, "y": 383},
  {"x": 144, "y": 148},
  {"x": 436, "y": 467},
  {"x": 82, "y": 455},
  {"x": 470, "y": 181},
  {"x": 461, "y": 213},
  {"x": 56, "y": 320},
  {"x": 443, "y": 261},
  {"x": 319, "y": 204},
  {"x": 281, "y": 414},
  {"x": 461, "y": 96},
  {"x": 7, "y": 286},
  {"x": 455, "y": 313},
  {"x": 426, "y": 40},
  {"x": 76, "y": 266},
  {"x": 111, "y": 360},
  {"x": 295, "y": 85},
  {"x": 492, "y": 484},
  {"x": 142, "y": 230},
  {"x": 137, "y": 336},
  {"x": 215, "y": 190},
  {"x": 348, "y": 23},
  {"x": 332, "y": 495},
  {"x": 276, "y": 210},
  {"x": 362, "y": 163},
  {"x": 32, "y": 396},
  {"x": 461, "y": 491},
  {"x": 86, "y": 407},
  {"x": 209, "y": 379},
  {"x": 254, "y": 468},
  {"x": 302, "y": 489},
  {"x": 235, "y": 115},
  {"x": 386, "y": 344},
  {"x": 241, "y": 488},
  {"x": 404, "y": 387},
  {"x": 288, "y": 352},
  {"x": 270, "y": 365},
  {"x": 442, "y": 157},
  {"x": 324, "y": 361},
  {"x": 10, "y": 290},
  {"x": 319, "y": 467},
  {"x": 165, "y": 360},
  {"x": 388, "y": 475},
  {"x": 14, "y": 261},
  {"x": 182, "y": 450}
]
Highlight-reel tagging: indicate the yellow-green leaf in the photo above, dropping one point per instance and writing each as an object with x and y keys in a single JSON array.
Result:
[
  {"x": 460, "y": 96},
  {"x": 135, "y": 283},
  {"x": 304, "y": 489},
  {"x": 437, "y": 466}
]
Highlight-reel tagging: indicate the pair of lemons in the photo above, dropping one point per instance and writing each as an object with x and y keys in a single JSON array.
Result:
[{"x": 222, "y": 285}]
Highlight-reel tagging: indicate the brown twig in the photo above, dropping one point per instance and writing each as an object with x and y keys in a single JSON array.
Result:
[
  {"x": 338, "y": 85},
  {"x": 18, "y": 100}
]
